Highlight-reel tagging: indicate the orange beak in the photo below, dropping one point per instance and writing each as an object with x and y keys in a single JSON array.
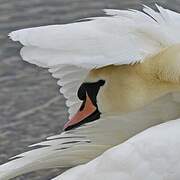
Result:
[{"x": 88, "y": 109}]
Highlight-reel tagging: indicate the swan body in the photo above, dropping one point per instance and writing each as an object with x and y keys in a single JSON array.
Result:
[
  {"x": 152, "y": 154},
  {"x": 119, "y": 77}
]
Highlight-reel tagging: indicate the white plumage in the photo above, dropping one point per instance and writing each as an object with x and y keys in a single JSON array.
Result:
[
  {"x": 69, "y": 52},
  {"x": 152, "y": 154}
]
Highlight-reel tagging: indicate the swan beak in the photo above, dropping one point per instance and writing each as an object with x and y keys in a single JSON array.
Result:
[{"x": 88, "y": 109}]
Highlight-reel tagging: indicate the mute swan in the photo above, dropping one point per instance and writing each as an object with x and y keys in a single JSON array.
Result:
[{"x": 119, "y": 78}]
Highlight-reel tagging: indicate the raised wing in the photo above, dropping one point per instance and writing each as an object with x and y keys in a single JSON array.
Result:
[
  {"x": 70, "y": 78},
  {"x": 71, "y": 50}
]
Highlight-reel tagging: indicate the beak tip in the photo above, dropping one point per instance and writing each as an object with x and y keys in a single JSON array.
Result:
[
  {"x": 65, "y": 126},
  {"x": 81, "y": 115}
]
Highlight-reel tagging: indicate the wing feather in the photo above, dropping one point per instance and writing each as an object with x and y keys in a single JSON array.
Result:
[
  {"x": 71, "y": 50},
  {"x": 70, "y": 78}
]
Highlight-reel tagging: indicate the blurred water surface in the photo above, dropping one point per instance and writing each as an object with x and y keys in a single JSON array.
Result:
[{"x": 31, "y": 107}]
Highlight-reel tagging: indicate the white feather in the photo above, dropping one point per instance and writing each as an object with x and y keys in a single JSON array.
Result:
[{"x": 152, "y": 154}]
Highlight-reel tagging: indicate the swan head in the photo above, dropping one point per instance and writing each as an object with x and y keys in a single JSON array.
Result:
[
  {"x": 89, "y": 109},
  {"x": 116, "y": 90},
  {"x": 109, "y": 91}
]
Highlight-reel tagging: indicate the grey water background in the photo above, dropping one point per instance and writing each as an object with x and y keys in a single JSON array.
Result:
[{"x": 31, "y": 107}]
